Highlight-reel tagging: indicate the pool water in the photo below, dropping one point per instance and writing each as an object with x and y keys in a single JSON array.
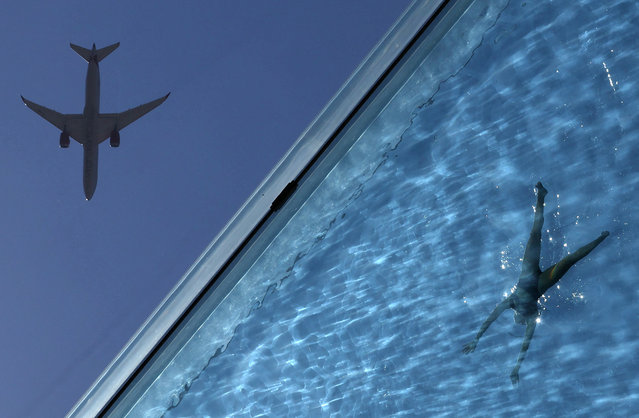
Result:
[{"x": 393, "y": 263}]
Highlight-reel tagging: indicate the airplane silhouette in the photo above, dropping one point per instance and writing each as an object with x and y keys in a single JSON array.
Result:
[{"x": 91, "y": 127}]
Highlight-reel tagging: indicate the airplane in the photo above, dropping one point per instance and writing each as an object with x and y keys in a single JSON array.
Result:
[{"x": 91, "y": 127}]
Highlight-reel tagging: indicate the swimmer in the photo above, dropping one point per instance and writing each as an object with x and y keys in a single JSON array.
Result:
[{"x": 532, "y": 283}]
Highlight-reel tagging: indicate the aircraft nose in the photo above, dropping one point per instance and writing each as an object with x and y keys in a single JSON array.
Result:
[{"x": 88, "y": 193}]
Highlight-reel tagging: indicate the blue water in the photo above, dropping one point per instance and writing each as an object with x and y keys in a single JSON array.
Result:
[{"x": 392, "y": 265}]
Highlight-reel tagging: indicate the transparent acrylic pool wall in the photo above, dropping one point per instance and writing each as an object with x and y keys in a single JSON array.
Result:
[{"x": 396, "y": 259}]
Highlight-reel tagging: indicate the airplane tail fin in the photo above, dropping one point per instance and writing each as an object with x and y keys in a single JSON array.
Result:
[{"x": 99, "y": 54}]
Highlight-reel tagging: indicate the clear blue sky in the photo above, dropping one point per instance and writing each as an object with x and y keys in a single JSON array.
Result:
[{"x": 78, "y": 278}]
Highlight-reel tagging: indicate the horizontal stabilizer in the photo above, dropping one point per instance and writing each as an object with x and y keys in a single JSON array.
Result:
[{"x": 99, "y": 54}]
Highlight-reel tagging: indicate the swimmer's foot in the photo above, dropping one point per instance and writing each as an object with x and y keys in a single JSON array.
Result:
[
  {"x": 541, "y": 190},
  {"x": 604, "y": 234}
]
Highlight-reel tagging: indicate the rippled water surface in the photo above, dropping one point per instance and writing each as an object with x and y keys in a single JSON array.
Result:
[{"x": 392, "y": 265}]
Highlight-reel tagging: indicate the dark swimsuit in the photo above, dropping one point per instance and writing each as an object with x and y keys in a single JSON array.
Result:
[{"x": 524, "y": 299}]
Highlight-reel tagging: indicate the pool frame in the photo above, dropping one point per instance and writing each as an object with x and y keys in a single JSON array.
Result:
[{"x": 274, "y": 199}]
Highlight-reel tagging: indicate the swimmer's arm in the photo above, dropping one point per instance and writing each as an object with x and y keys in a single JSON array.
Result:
[
  {"x": 530, "y": 330},
  {"x": 505, "y": 304}
]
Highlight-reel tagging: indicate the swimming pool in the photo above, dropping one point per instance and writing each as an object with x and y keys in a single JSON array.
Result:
[{"x": 363, "y": 301}]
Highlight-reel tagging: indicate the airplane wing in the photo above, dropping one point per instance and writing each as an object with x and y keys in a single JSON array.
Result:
[
  {"x": 108, "y": 122},
  {"x": 73, "y": 124}
]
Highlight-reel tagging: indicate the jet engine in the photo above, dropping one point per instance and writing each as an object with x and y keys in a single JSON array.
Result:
[
  {"x": 64, "y": 140},
  {"x": 115, "y": 139}
]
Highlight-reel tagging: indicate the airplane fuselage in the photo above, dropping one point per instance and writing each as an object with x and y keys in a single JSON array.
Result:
[
  {"x": 92, "y": 93},
  {"x": 90, "y": 145}
]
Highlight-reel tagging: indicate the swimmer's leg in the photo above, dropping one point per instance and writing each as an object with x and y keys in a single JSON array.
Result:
[
  {"x": 551, "y": 276},
  {"x": 533, "y": 247},
  {"x": 530, "y": 330}
]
